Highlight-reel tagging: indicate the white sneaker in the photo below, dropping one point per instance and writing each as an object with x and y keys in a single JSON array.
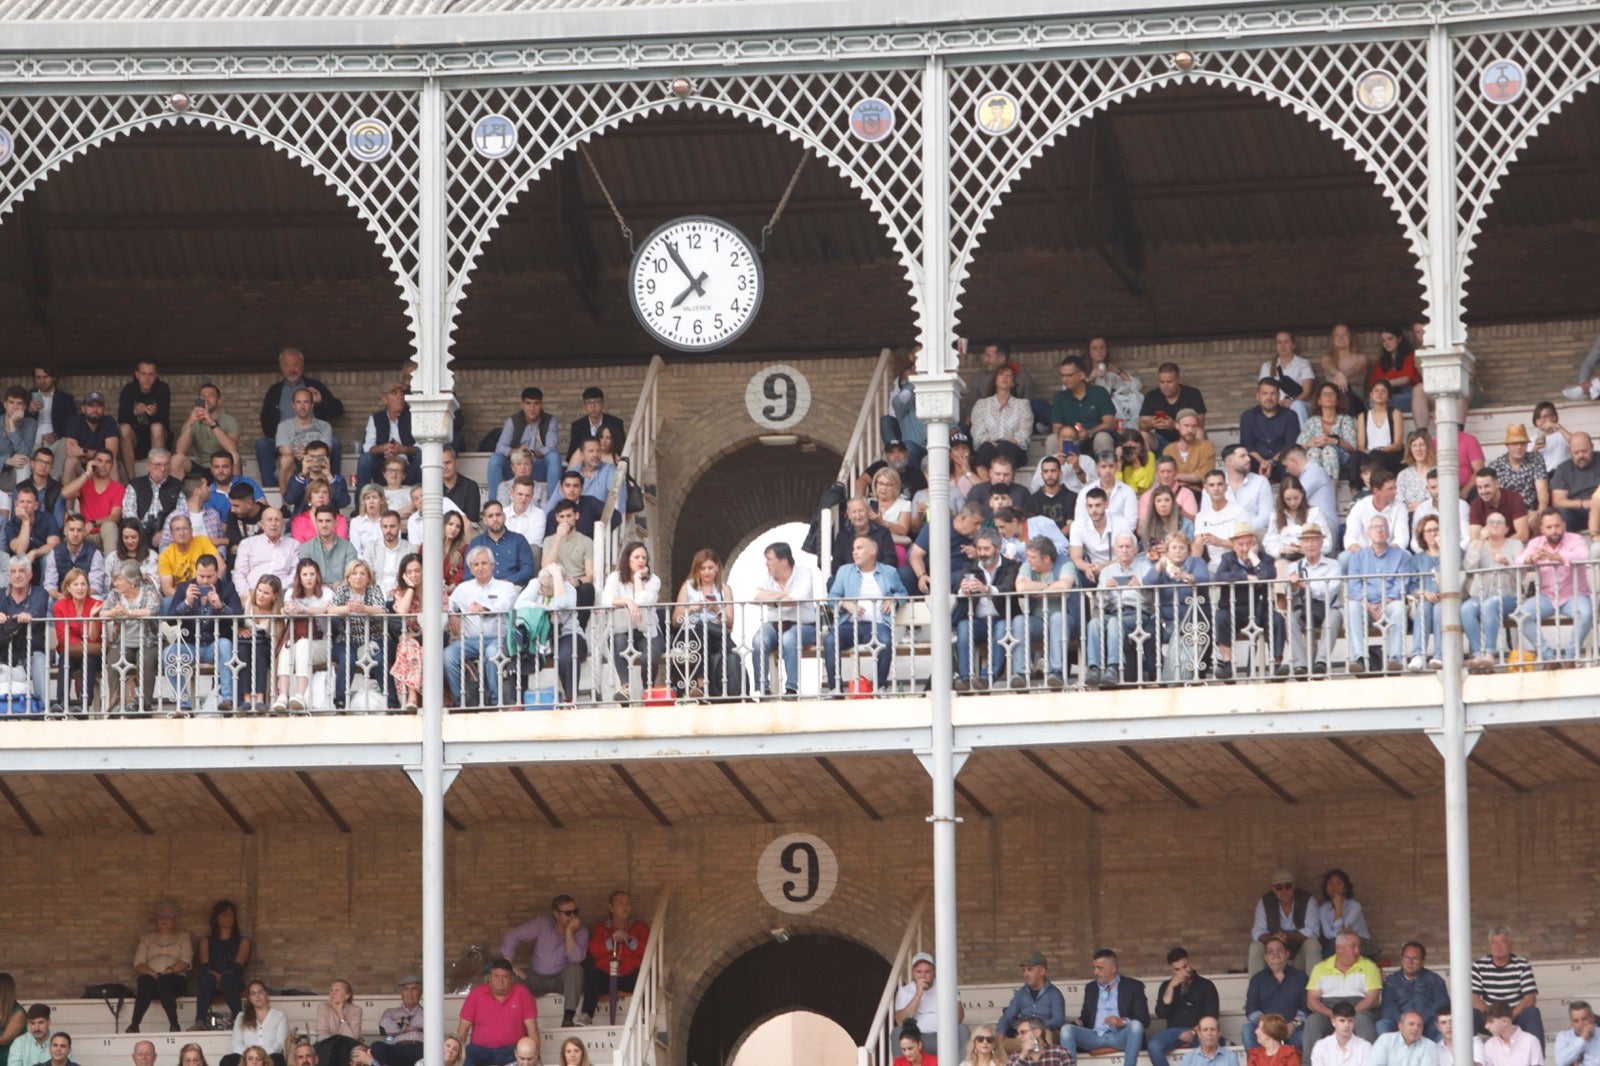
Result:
[
  {"x": 1576, "y": 392},
  {"x": 1594, "y": 389},
  {"x": 1417, "y": 664}
]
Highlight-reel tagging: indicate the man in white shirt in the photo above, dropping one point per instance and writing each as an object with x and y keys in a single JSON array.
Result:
[
  {"x": 1090, "y": 543},
  {"x": 414, "y": 523},
  {"x": 478, "y": 610},
  {"x": 1217, "y": 517},
  {"x": 1578, "y": 1046},
  {"x": 1290, "y": 369},
  {"x": 525, "y": 517},
  {"x": 1315, "y": 604},
  {"x": 1430, "y": 506},
  {"x": 1319, "y": 488},
  {"x": 1122, "y": 503},
  {"x": 385, "y": 554},
  {"x": 790, "y": 617},
  {"x": 1344, "y": 1047},
  {"x": 1507, "y": 1043},
  {"x": 1383, "y": 503},
  {"x": 919, "y": 998},
  {"x": 1246, "y": 488},
  {"x": 268, "y": 552}
]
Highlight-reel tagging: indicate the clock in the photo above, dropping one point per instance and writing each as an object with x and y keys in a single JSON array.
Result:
[{"x": 696, "y": 283}]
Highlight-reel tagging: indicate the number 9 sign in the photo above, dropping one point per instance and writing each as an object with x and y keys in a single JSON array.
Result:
[
  {"x": 777, "y": 397},
  {"x": 797, "y": 873}
]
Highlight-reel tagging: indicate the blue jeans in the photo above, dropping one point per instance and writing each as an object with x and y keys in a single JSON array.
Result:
[
  {"x": 544, "y": 469},
  {"x": 1355, "y": 629},
  {"x": 267, "y": 460},
  {"x": 1105, "y": 636},
  {"x": 1165, "y": 1041},
  {"x": 1482, "y": 620},
  {"x": 1057, "y": 627},
  {"x": 846, "y": 635},
  {"x": 1578, "y": 618},
  {"x": 1128, "y": 1040},
  {"x": 788, "y": 644},
  {"x": 482, "y": 652},
  {"x": 989, "y": 631},
  {"x": 479, "y": 1055},
  {"x": 218, "y": 652},
  {"x": 1429, "y": 629}
]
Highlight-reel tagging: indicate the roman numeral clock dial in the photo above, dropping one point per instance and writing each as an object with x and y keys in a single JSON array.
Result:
[{"x": 696, "y": 283}]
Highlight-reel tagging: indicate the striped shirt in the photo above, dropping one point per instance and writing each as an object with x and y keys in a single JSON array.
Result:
[{"x": 1503, "y": 984}]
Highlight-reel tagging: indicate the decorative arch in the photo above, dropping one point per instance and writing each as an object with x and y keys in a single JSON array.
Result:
[
  {"x": 50, "y": 132},
  {"x": 811, "y": 109},
  {"x": 1561, "y": 62},
  {"x": 1057, "y": 96}
]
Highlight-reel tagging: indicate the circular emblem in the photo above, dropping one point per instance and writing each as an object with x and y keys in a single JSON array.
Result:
[
  {"x": 871, "y": 120},
  {"x": 696, "y": 283},
  {"x": 1377, "y": 91},
  {"x": 7, "y": 146},
  {"x": 997, "y": 113},
  {"x": 368, "y": 140},
  {"x": 797, "y": 873},
  {"x": 777, "y": 397},
  {"x": 494, "y": 136},
  {"x": 1502, "y": 82}
]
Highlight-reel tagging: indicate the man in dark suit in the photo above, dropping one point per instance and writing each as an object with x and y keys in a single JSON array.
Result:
[
  {"x": 593, "y": 421},
  {"x": 1114, "y": 1015}
]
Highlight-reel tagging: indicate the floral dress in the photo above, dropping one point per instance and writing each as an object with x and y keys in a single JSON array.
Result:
[{"x": 408, "y": 649}]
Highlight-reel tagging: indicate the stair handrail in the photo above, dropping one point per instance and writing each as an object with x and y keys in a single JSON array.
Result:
[
  {"x": 866, "y": 441},
  {"x": 638, "y": 454},
  {"x": 875, "y": 1049},
  {"x": 637, "y": 1044}
]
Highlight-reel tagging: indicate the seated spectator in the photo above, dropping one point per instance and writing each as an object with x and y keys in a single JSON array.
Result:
[
  {"x": 1127, "y": 391},
  {"x": 1053, "y": 613},
  {"x": 1194, "y": 454},
  {"x": 1183, "y": 609},
  {"x": 1383, "y": 503},
  {"x": 360, "y": 636},
  {"x": 295, "y": 432},
  {"x": 223, "y": 954},
  {"x": 17, "y": 434},
  {"x": 1551, "y": 440},
  {"x": 589, "y": 508},
  {"x": 78, "y": 647},
  {"x": 150, "y": 497},
  {"x": 1411, "y": 486},
  {"x": 1490, "y": 592},
  {"x": 789, "y": 620},
  {"x": 28, "y": 607},
  {"x": 299, "y": 493},
  {"x": 983, "y": 1048},
  {"x": 130, "y": 638},
  {"x": 414, "y": 529},
  {"x": 47, "y": 487},
  {"x": 206, "y": 605},
  {"x": 1245, "y": 608},
  {"x": 568, "y": 547},
  {"x": 478, "y": 610},
  {"x": 1405, "y": 1044},
  {"x": 1271, "y": 1043},
  {"x": 1090, "y": 544},
  {"x": 267, "y": 552},
  {"x": 1217, "y": 518},
  {"x": 594, "y": 419},
  {"x": 915, "y": 576},
  {"x": 992, "y": 358},
  {"x": 338, "y": 1025},
  {"x": 1383, "y": 579},
  {"x": 896, "y": 457},
  {"x": 162, "y": 964},
  {"x": 461, "y": 490},
  {"x": 389, "y": 439},
  {"x": 1292, "y": 515},
  {"x": 531, "y": 429},
  {"x": 1507, "y": 1043},
  {"x": 867, "y": 593},
  {"x": 224, "y": 475},
  {"x": 1520, "y": 472},
  {"x": 88, "y": 431},
  {"x": 916, "y": 1007},
  {"x": 1329, "y": 435},
  {"x": 1209, "y": 1051},
  {"x": 1002, "y": 477},
  {"x": 1396, "y": 366},
  {"x": 1573, "y": 485},
  {"x": 618, "y": 937},
  {"x": 31, "y": 533},
  {"x": 1183, "y": 999},
  {"x": 1136, "y": 465},
  {"x": 1291, "y": 374},
  {"x": 1158, "y": 415},
  {"x": 1563, "y": 589},
  {"x": 1469, "y": 452},
  {"x": 260, "y": 634},
  {"x": 396, "y": 493},
  {"x": 303, "y": 648},
  {"x": 319, "y": 495},
  {"x": 259, "y": 1025},
  {"x": 1166, "y": 476},
  {"x": 1345, "y": 367},
  {"x": 703, "y": 619},
  {"x": 909, "y": 1040},
  {"x": 1318, "y": 489},
  {"x": 1345, "y": 978},
  {"x": 1038, "y": 1002},
  {"x": 278, "y": 408},
  {"x": 1428, "y": 629},
  {"x": 208, "y": 430},
  {"x": 1245, "y": 487},
  {"x": 401, "y": 1028},
  {"x": 1279, "y": 990},
  {"x": 32, "y": 1046},
  {"x": 406, "y": 607},
  {"x": 1413, "y": 989},
  {"x": 982, "y": 614},
  {"x": 1002, "y": 422},
  {"x": 179, "y": 559},
  {"x": 1380, "y": 433},
  {"x": 560, "y": 946},
  {"x": 245, "y": 511},
  {"x": 1119, "y": 612},
  {"x": 631, "y": 592},
  {"x": 1114, "y": 1015},
  {"x": 598, "y": 477},
  {"x": 1505, "y": 980},
  {"x": 366, "y": 527},
  {"x": 1340, "y": 910},
  {"x": 1036, "y": 1046},
  {"x": 99, "y": 498},
  {"x": 1316, "y": 604},
  {"x": 1082, "y": 413},
  {"x": 524, "y": 516},
  {"x": 891, "y": 510},
  {"x": 1122, "y": 502},
  {"x": 1266, "y": 430},
  {"x": 1052, "y": 499},
  {"x": 385, "y": 555},
  {"x": 1291, "y": 915},
  {"x": 1491, "y": 499},
  {"x": 202, "y": 519},
  {"x": 514, "y": 560},
  {"x": 1577, "y": 1046},
  {"x": 1016, "y": 528}
]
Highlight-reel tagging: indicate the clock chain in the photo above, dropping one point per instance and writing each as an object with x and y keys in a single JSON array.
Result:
[
  {"x": 627, "y": 234},
  {"x": 766, "y": 231}
]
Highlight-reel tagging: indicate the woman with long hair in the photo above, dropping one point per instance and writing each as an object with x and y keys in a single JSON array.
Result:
[
  {"x": 257, "y": 1027},
  {"x": 77, "y": 643},
  {"x": 631, "y": 592},
  {"x": 455, "y": 550},
  {"x": 983, "y": 1049},
  {"x": 260, "y": 633},
  {"x": 304, "y": 646},
  {"x": 1329, "y": 436},
  {"x": 1429, "y": 629},
  {"x": 1379, "y": 433},
  {"x": 405, "y": 611},
  {"x": 192, "y": 1055},
  {"x": 1001, "y": 422},
  {"x": 573, "y": 1053},
  {"x": 13, "y": 1019},
  {"x": 133, "y": 543},
  {"x": 1163, "y": 519},
  {"x": 1397, "y": 365},
  {"x": 1341, "y": 911},
  {"x": 1346, "y": 367},
  {"x": 1290, "y": 515},
  {"x": 1411, "y": 486},
  {"x": 1136, "y": 463},
  {"x": 364, "y": 527},
  {"x": 1491, "y": 590},
  {"x": 1183, "y": 611},
  {"x": 224, "y": 953},
  {"x": 359, "y": 606},
  {"x": 704, "y": 617}
]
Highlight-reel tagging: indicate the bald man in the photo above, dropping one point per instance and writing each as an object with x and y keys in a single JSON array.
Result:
[
  {"x": 528, "y": 1051},
  {"x": 144, "y": 1054}
]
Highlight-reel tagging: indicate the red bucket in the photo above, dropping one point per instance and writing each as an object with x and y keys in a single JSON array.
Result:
[
  {"x": 860, "y": 688},
  {"x": 658, "y": 697}
]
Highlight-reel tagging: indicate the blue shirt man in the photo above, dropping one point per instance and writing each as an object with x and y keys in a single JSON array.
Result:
[
  {"x": 513, "y": 558},
  {"x": 1277, "y": 988},
  {"x": 1413, "y": 987},
  {"x": 868, "y": 593},
  {"x": 1114, "y": 1015},
  {"x": 1037, "y": 998}
]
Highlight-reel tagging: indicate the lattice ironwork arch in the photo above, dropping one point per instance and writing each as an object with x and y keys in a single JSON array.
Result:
[
  {"x": 811, "y": 109},
  {"x": 1559, "y": 63},
  {"x": 50, "y": 133},
  {"x": 1057, "y": 96}
]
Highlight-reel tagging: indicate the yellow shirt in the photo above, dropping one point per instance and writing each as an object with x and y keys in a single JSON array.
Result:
[{"x": 179, "y": 564}]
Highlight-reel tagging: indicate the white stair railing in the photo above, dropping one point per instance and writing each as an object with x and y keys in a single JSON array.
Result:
[
  {"x": 875, "y": 1050},
  {"x": 865, "y": 447},
  {"x": 638, "y": 458},
  {"x": 637, "y": 1044}
]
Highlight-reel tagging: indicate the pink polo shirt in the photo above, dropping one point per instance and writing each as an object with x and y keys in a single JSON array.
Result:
[{"x": 498, "y": 1023}]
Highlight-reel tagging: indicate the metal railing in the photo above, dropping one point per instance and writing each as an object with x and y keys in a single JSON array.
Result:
[
  {"x": 866, "y": 443},
  {"x": 637, "y": 1044},
  {"x": 877, "y": 1049},
  {"x": 638, "y": 461}
]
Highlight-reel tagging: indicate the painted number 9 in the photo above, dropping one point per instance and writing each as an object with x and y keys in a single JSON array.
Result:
[
  {"x": 778, "y": 397},
  {"x": 797, "y": 873},
  {"x": 790, "y": 854},
  {"x": 779, "y": 387}
]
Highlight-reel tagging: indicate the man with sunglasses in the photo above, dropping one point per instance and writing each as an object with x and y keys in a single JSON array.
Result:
[
  {"x": 560, "y": 944},
  {"x": 1290, "y": 914}
]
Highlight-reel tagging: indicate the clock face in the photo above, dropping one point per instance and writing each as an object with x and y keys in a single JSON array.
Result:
[{"x": 696, "y": 283}]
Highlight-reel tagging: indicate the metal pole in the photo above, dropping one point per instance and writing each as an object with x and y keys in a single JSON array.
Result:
[{"x": 938, "y": 395}]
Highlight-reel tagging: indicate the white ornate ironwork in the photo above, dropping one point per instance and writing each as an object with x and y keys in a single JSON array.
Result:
[{"x": 1316, "y": 81}]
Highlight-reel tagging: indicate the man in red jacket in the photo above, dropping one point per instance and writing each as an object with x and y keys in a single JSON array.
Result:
[{"x": 619, "y": 937}]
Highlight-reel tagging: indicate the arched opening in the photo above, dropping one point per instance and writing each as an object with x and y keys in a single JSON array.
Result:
[
  {"x": 550, "y": 287},
  {"x": 828, "y": 975},
  {"x": 796, "y": 1038},
  {"x": 1189, "y": 213},
  {"x": 753, "y": 488}
]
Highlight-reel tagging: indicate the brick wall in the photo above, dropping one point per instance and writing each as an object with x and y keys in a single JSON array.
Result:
[{"x": 323, "y": 904}]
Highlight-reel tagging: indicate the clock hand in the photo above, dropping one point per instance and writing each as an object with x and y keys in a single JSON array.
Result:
[
  {"x": 694, "y": 282},
  {"x": 695, "y": 285}
]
